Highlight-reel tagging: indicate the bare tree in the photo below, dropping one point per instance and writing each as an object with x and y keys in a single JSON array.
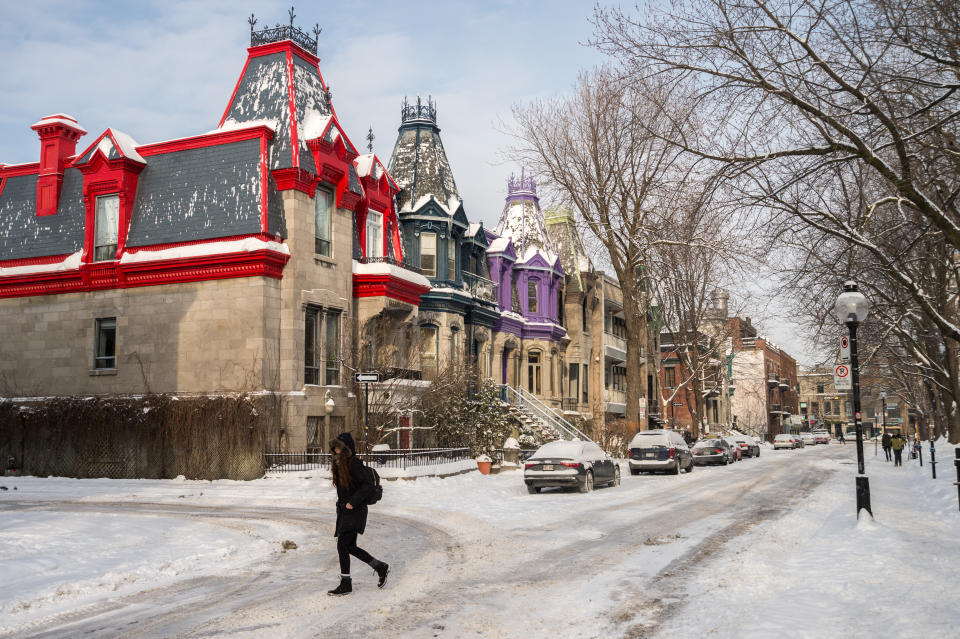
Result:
[{"x": 598, "y": 152}]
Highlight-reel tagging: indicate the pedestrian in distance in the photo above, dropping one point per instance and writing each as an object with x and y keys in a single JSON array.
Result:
[
  {"x": 897, "y": 443},
  {"x": 354, "y": 487},
  {"x": 842, "y": 440},
  {"x": 885, "y": 441}
]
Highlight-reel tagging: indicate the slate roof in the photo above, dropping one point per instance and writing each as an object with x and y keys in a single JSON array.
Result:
[
  {"x": 24, "y": 235},
  {"x": 420, "y": 167}
]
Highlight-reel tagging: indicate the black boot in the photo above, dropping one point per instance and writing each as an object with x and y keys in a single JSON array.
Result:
[
  {"x": 382, "y": 569},
  {"x": 345, "y": 587}
]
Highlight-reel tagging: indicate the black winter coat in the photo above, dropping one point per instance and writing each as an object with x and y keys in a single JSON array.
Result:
[{"x": 357, "y": 494}]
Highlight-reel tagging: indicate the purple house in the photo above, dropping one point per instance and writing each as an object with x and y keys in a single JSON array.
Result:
[{"x": 526, "y": 266}]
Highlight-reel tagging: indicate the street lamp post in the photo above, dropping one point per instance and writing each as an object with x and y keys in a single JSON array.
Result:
[
  {"x": 883, "y": 420},
  {"x": 851, "y": 308}
]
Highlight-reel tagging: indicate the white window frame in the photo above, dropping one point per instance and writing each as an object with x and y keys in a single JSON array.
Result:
[
  {"x": 106, "y": 228},
  {"x": 374, "y": 234},
  {"x": 428, "y": 272}
]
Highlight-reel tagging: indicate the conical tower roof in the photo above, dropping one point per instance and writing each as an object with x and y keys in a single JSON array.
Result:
[
  {"x": 281, "y": 87},
  {"x": 419, "y": 163},
  {"x": 522, "y": 220}
]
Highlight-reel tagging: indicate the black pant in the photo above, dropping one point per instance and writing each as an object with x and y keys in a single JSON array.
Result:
[
  {"x": 886, "y": 451},
  {"x": 346, "y": 546},
  {"x": 897, "y": 457}
]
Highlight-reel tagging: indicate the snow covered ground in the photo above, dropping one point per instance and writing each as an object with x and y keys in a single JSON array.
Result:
[{"x": 767, "y": 546}]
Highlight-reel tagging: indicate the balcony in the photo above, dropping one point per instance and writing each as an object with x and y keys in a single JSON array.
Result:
[
  {"x": 614, "y": 348},
  {"x": 615, "y": 401},
  {"x": 774, "y": 409},
  {"x": 773, "y": 381},
  {"x": 480, "y": 287},
  {"x": 783, "y": 384},
  {"x": 383, "y": 259}
]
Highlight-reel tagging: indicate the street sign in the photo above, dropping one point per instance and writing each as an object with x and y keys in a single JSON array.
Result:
[
  {"x": 845, "y": 350},
  {"x": 841, "y": 377},
  {"x": 366, "y": 377}
]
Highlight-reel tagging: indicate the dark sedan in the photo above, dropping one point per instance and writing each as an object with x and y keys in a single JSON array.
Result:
[
  {"x": 713, "y": 451},
  {"x": 571, "y": 464}
]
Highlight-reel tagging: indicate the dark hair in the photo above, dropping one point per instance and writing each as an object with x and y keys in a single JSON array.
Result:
[{"x": 340, "y": 463}]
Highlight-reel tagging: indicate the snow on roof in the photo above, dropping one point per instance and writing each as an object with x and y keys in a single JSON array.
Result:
[
  {"x": 383, "y": 268},
  {"x": 246, "y": 245},
  {"x": 59, "y": 118},
  {"x": 127, "y": 145},
  {"x": 314, "y": 125},
  {"x": 364, "y": 164},
  {"x": 559, "y": 448},
  {"x": 473, "y": 229},
  {"x": 232, "y": 125},
  {"x": 532, "y": 252},
  {"x": 69, "y": 263}
]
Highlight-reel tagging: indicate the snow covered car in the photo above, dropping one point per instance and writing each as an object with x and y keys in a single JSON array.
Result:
[
  {"x": 808, "y": 439},
  {"x": 570, "y": 464},
  {"x": 783, "y": 440},
  {"x": 734, "y": 448},
  {"x": 712, "y": 451},
  {"x": 748, "y": 445},
  {"x": 659, "y": 451},
  {"x": 822, "y": 436}
]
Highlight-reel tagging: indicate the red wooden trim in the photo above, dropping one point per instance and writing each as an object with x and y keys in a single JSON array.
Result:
[
  {"x": 294, "y": 178},
  {"x": 15, "y": 170},
  {"x": 266, "y": 237},
  {"x": 292, "y": 102},
  {"x": 264, "y": 185},
  {"x": 3, "y": 183},
  {"x": 112, "y": 275},
  {"x": 365, "y": 285},
  {"x": 233, "y": 95},
  {"x": 280, "y": 47},
  {"x": 34, "y": 261},
  {"x": 205, "y": 140}
]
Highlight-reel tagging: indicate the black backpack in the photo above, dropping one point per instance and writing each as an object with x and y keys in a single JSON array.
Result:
[{"x": 377, "y": 493}]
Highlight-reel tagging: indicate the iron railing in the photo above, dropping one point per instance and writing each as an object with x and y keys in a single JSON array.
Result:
[
  {"x": 480, "y": 287},
  {"x": 384, "y": 259},
  {"x": 398, "y": 458},
  {"x": 536, "y": 409},
  {"x": 284, "y": 32},
  {"x": 569, "y": 403}
]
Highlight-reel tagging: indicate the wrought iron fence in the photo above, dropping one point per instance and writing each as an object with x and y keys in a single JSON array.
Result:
[
  {"x": 480, "y": 287},
  {"x": 398, "y": 458}
]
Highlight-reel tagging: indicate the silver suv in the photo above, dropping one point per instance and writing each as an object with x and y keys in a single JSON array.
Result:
[{"x": 659, "y": 451}]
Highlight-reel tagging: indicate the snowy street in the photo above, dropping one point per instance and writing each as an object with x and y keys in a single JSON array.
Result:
[{"x": 765, "y": 546}]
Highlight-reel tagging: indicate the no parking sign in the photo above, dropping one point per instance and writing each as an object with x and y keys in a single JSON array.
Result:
[{"x": 841, "y": 377}]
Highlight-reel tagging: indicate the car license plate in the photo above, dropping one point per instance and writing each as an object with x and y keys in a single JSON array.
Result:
[
  {"x": 649, "y": 455},
  {"x": 548, "y": 466}
]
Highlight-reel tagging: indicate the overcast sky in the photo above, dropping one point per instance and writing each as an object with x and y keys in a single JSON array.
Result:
[{"x": 166, "y": 69}]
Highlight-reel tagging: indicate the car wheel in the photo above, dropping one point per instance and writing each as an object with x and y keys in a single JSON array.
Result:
[
  {"x": 533, "y": 490},
  {"x": 690, "y": 467},
  {"x": 725, "y": 461},
  {"x": 676, "y": 468},
  {"x": 587, "y": 484},
  {"x": 616, "y": 477}
]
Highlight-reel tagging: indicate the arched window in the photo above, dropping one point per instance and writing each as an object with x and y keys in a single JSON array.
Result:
[
  {"x": 428, "y": 351},
  {"x": 534, "y": 372},
  {"x": 454, "y": 343}
]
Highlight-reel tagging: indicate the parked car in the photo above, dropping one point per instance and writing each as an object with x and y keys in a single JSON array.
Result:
[
  {"x": 808, "y": 438},
  {"x": 822, "y": 436},
  {"x": 784, "y": 440},
  {"x": 748, "y": 445},
  {"x": 570, "y": 464},
  {"x": 659, "y": 451},
  {"x": 797, "y": 441},
  {"x": 712, "y": 451},
  {"x": 735, "y": 447},
  {"x": 850, "y": 435}
]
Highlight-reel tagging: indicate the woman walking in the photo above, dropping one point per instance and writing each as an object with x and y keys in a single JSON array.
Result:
[{"x": 354, "y": 487}]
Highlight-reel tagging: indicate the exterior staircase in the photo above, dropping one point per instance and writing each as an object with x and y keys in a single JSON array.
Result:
[{"x": 527, "y": 409}]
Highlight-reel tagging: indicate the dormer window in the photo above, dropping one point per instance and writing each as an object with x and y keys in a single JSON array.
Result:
[
  {"x": 531, "y": 296},
  {"x": 428, "y": 254},
  {"x": 451, "y": 260},
  {"x": 374, "y": 234},
  {"x": 106, "y": 228}
]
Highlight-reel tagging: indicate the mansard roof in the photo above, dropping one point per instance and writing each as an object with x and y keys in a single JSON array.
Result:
[
  {"x": 419, "y": 162},
  {"x": 281, "y": 87},
  {"x": 112, "y": 145},
  {"x": 521, "y": 219}
]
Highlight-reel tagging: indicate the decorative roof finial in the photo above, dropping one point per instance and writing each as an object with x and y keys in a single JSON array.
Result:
[
  {"x": 419, "y": 111},
  {"x": 284, "y": 32},
  {"x": 524, "y": 186},
  {"x": 370, "y": 138}
]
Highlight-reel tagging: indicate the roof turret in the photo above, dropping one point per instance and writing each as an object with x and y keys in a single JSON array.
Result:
[
  {"x": 419, "y": 163},
  {"x": 522, "y": 220}
]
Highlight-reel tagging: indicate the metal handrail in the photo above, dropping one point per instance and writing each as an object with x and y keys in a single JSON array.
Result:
[{"x": 543, "y": 413}]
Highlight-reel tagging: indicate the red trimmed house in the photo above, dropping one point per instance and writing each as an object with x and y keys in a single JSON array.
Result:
[{"x": 244, "y": 259}]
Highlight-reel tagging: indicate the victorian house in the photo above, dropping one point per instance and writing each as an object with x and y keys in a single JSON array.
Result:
[{"x": 242, "y": 259}]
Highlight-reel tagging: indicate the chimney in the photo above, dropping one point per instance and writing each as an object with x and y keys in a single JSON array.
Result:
[{"x": 58, "y": 141}]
